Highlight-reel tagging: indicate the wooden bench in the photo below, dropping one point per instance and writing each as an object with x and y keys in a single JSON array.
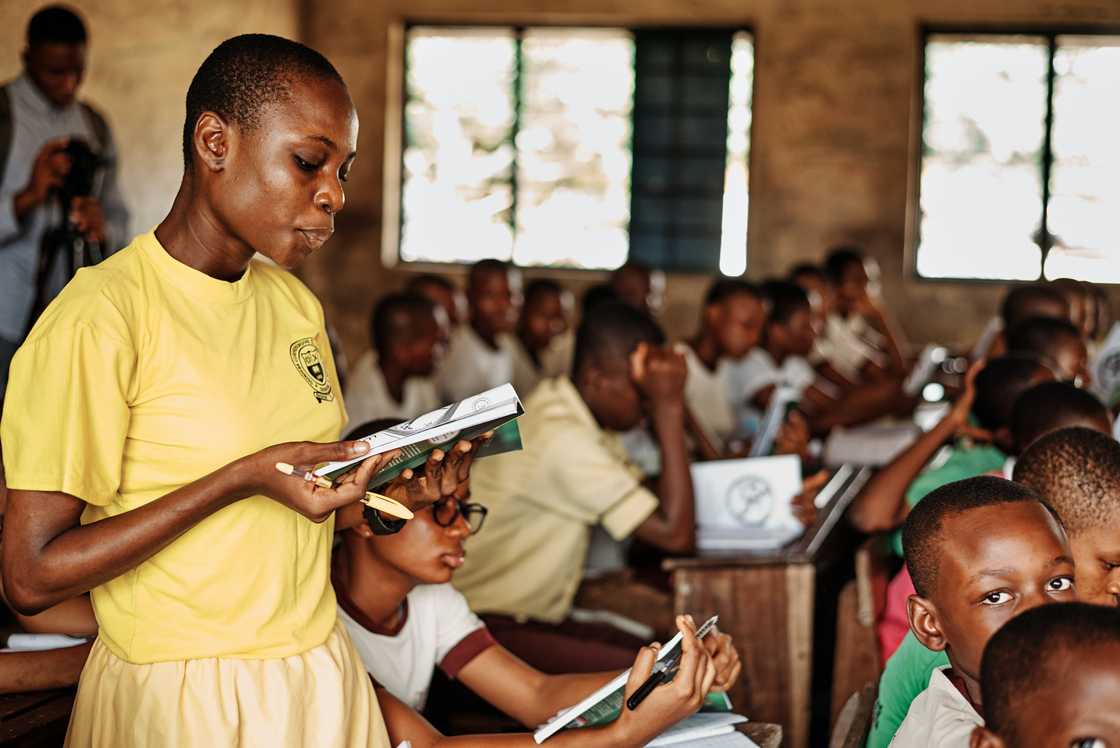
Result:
[{"x": 35, "y": 720}]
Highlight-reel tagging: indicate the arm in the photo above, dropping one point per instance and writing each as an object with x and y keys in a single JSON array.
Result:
[
  {"x": 40, "y": 671},
  {"x": 47, "y": 172},
  {"x": 881, "y": 505},
  {"x": 661, "y": 375},
  {"x": 873, "y": 312}
]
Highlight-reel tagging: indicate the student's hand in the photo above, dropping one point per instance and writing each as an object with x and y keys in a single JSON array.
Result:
[
  {"x": 257, "y": 474},
  {"x": 670, "y": 702},
  {"x": 660, "y": 373},
  {"x": 804, "y": 503},
  {"x": 88, "y": 218},
  {"x": 962, "y": 408},
  {"x": 793, "y": 435},
  {"x": 725, "y": 658},
  {"x": 444, "y": 474}
]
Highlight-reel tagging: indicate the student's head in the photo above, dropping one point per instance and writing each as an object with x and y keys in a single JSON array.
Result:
[
  {"x": 734, "y": 313},
  {"x": 1078, "y": 471},
  {"x": 55, "y": 55},
  {"x": 546, "y": 313},
  {"x": 981, "y": 551},
  {"x": 815, "y": 283},
  {"x": 408, "y": 331},
  {"x": 494, "y": 294},
  {"x": 1051, "y": 406},
  {"x": 600, "y": 293},
  {"x": 850, "y": 275},
  {"x": 1057, "y": 342},
  {"x": 428, "y": 549},
  {"x": 1077, "y": 296},
  {"x": 789, "y": 323},
  {"x": 268, "y": 141},
  {"x": 1036, "y": 300},
  {"x": 602, "y": 366},
  {"x": 640, "y": 286},
  {"x": 1103, "y": 309},
  {"x": 440, "y": 291},
  {"x": 1051, "y": 677},
  {"x": 998, "y": 386}
]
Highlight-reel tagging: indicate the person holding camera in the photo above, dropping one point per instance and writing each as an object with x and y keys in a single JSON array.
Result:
[{"x": 60, "y": 207}]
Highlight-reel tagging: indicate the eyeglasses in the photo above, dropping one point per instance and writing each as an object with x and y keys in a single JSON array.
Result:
[{"x": 447, "y": 511}]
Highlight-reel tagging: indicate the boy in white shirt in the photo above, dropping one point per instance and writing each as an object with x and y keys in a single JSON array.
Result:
[
  {"x": 544, "y": 343},
  {"x": 980, "y": 551},
  {"x": 480, "y": 356},
  {"x": 394, "y": 379}
]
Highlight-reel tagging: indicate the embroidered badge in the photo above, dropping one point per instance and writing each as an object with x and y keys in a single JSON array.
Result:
[{"x": 309, "y": 362}]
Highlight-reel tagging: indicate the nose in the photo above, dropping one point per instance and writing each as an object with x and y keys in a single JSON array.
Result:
[
  {"x": 459, "y": 528},
  {"x": 331, "y": 198}
]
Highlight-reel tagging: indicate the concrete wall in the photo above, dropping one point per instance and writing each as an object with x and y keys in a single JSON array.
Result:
[
  {"x": 142, "y": 57},
  {"x": 835, "y": 89}
]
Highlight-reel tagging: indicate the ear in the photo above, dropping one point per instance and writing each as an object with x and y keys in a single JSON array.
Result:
[
  {"x": 211, "y": 141},
  {"x": 922, "y": 615},
  {"x": 982, "y": 737}
]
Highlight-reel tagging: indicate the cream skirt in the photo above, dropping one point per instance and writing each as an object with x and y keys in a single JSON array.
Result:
[{"x": 322, "y": 697}]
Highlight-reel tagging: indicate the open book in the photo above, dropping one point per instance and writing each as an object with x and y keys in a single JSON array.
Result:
[
  {"x": 605, "y": 705},
  {"x": 494, "y": 410}
]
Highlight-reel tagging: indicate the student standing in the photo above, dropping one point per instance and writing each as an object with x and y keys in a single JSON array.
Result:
[{"x": 136, "y": 441}]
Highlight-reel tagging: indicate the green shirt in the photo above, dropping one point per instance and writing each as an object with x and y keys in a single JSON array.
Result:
[
  {"x": 907, "y": 674},
  {"x": 963, "y": 462}
]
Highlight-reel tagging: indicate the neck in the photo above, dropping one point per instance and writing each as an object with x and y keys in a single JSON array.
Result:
[
  {"x": 374, "y": 587},
  {"x": 775, "y": 351},
  {"x": 489, "y": 338},
  {"x": 706, "y": 349},
  {"x": 195, "y": 236},
  {"x": 533, "y": 353},
  {"x": 394, "y": 378}
]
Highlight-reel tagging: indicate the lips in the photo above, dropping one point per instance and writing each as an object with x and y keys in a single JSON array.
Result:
[
  {"x": 316, "y": 238},
  {"x": 454, "y": 559}
]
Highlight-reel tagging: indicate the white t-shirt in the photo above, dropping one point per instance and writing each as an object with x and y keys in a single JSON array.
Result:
[
  {"x": 757, "y": 371},
  {"x": 848, "y": 343},
  {"x": 706, "y": 393},
  {"x": 367, "y": 395},
  {"x": 439, "y": 630},
  {"x": 471, "y": 366},
  {"x": 941, "y": 717}
]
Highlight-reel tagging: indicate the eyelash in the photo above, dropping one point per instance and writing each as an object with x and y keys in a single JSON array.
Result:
[
  {"x": 312, "y": 168},
  {"x": 1066, "y": 580}
]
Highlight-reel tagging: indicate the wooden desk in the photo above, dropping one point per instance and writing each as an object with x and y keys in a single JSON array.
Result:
[
  {"x": 763, "y": 734},
  {"x": 765, "y": 601},
  {"x": 35, "y": 719}
]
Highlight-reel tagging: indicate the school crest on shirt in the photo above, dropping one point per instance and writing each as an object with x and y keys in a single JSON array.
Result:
[{"x": 309, "y": 362}]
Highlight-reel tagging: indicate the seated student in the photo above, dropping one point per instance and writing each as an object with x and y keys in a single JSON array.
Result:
[
  {"x": 1050, "y": 406},
  {"x": 544, "y": 345},
  {"x": 980, "y": 551},
  {"x": 908, "y": 670},
  {"x": 408, "y": 334},
  {"x": 406, "y": 619},
  {"x": 480, "y": 355},
  {"x": 442, "y": 292},
  {"x": 813, "y": 281},
  {"x": 640, "y": 286},
  {"x": 1018, "y": 305},
  {"x": 858, "y": 340},
  {"x": 1079, "y": 298},
  {"x": 573, "y": 475},
  {"x": 1058, "y": 343},
  {"x": 1051, "y": 677},
  {"x": 730, "y": 326}
]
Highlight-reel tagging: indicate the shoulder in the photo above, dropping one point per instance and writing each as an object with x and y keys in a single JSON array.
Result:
[{"x": 284, "y": 285}]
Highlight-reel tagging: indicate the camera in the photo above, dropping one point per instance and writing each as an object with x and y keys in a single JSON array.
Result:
[{"x": 84, "y": 168}]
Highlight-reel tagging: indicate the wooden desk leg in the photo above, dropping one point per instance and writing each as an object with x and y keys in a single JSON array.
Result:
[{"x": 768, "y": 610}]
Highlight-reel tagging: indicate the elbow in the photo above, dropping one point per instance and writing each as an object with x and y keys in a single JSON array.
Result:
[
  {"x": 869, "y": 522},
  {"x": 681, "y": 542},
  {"x": 23, "y": 594}
]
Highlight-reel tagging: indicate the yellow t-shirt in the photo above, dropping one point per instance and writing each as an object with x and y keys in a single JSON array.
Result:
[
  {"x": 572, "y": 475},
  {"x": 145, "y": 375}
]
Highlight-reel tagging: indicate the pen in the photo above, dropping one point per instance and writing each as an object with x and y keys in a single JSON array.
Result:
[
  {"x": 319, "y": 481},
  {"x": 663, "y": 670},
  {"x": 376, "y": 501}
]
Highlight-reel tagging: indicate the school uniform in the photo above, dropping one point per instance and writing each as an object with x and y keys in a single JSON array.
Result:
[
  {"x": 847, "y": 344},
  {"x": 368, "y": 396},
  {"x": 143, "y": 376},
  {"x": 755, "y": 372},
  {"x": 943, "y": 716},
  {"x": 472, "y": 366},
  {"x": 706, "y": 392}
]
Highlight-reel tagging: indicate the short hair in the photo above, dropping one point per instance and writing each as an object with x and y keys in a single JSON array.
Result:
[
  {"x": 540, "y": 287},
  {"x": 394, "y": 318},
  {"x": 784, "y": 300},
  {"x": 921, "y": 533},
  {"x": 486, "y": 267},
  {"x": 1049, "y": 406},
  {"x": 1041, "y": 648},
  {"x": 609, "y": 332},
  {"x": 246, "y": 74},
  {"x": 429, "y": 279},
  {"x": 1019, "y": 303},
  {"x": 1039, "y": 335},
  {"x": 725, "y": 288},
  {"x": 1078, "y": 471},
  {"x": 600, "y": 293},
  {"x": 807, "y": 268},
  {"x": 56, "y": 24},
  {"x": 998, "y": 386},
  {"x": 838, "y": 260}
]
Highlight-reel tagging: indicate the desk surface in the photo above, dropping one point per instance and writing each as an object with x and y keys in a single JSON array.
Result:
[
  {"x": 765, "y": 735},
  {"x": 807, "y": 549}
]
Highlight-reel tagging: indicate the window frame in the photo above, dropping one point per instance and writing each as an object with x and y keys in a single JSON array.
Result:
[
  {"x": 392, "y": 213},
  {"x": 1050, "y": 32}
]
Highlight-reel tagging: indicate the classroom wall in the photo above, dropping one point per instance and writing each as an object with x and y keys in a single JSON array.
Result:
[
  {"x": 835, "y": 88},
  {"x": 142, "y": 57}
]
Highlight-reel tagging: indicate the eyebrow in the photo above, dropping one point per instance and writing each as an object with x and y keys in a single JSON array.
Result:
[{"x": 1007, "y": 570}]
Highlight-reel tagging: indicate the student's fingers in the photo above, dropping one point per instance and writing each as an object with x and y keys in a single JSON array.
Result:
[
  {"x": 707, "y": 679},
  {"x": 312, "y": 453},
  {"x": 973, "y": 370},
  {"x": 641, "y": 669},
  {"x": 456, "y": 467},
  {"x": 692, "y": 657},
  {"x": 638, "y": 359}
]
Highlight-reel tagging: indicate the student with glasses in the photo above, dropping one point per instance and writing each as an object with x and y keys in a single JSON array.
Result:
[{"x": 406, "y": 619}]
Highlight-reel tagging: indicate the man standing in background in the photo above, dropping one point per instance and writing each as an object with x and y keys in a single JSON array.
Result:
[{"x": 40, "y": 120}]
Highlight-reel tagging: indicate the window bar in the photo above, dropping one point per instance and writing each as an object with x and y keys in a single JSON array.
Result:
[
  {"x": 519, "y": 36},
  {"x": 1046, "y": 240}
]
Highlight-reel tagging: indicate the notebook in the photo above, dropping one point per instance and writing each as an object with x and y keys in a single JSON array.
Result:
[{"x": 746, "y": 504}]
